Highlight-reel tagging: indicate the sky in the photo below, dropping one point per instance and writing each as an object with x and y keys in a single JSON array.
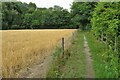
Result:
[{"x": 50, "y": 3}]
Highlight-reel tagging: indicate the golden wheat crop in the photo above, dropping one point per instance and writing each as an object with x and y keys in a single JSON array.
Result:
[
  {"x": 21, "y": 48},
  {"x": 0, "y": 54}
]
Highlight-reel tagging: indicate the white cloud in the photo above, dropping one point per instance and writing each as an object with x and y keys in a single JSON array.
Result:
[{"x": 50, "y": 3}]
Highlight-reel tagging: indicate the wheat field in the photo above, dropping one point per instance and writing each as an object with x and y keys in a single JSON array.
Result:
[
  {"x": 22, "y": 48},
  {"x": 0, "y": 54}
]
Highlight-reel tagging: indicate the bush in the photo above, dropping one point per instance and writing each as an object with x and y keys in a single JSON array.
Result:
[{"x": 15, "y": 27}]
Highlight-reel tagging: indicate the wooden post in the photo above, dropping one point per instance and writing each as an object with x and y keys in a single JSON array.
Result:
[{"x": 63, "y": 46}]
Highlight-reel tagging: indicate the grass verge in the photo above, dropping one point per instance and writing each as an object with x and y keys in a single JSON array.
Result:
[
  {"x": 72, "y": 63},
  {"x": 105, "y": 61}
]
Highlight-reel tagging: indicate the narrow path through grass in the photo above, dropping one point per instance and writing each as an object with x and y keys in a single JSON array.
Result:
[
  {"x": 89, "y": 66},
  {"x": 87, "y": 59},
  {"x": 105, "y": 65},
  {"x": 75, "y": 65}
]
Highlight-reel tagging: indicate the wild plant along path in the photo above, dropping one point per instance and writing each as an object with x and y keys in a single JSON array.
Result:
[{"x": 89, "y": 67}]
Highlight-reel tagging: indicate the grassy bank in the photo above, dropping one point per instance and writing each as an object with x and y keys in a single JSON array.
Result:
[
  {"x": 72, "y": 63},
  {"x": 105, "y": 61}
]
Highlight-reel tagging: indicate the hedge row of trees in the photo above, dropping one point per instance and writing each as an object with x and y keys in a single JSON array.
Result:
[
  {"x": 81, "y": 13},
  {"x": 106, "y": 27},
  {"x": 106, "y": 23},
  {"x": 18, "y": 15}
]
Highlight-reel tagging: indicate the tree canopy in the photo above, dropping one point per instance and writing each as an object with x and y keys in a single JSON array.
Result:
[{"x": 18, "y": 15}]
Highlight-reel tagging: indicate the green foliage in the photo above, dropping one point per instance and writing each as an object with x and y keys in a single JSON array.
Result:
[
  {"x": 28, "y": 15},
  {"x": 57, "y": 53},
  {"x": 106, "y": 27},
  {"x": 32, "y": 5},
  {"x": 81, "y": 14},
  {"x": 104, "y": 59},
  {"x": 15, "y": 27},
  {"x": 72, "y": 63},
  {"x": 106, "y": 22},
  {"x": 31, "y": 17}
]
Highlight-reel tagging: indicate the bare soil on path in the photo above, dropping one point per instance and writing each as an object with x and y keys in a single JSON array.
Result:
[
  {"x": 38, "y": 70},
  {"x": 89, "y": 67}
]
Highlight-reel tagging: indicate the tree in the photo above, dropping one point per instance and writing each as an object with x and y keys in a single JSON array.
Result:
[
  {"x": 81, "y": 14},
  {"x": 22, "y": 15},
  {"x": 32, "y": 5}
]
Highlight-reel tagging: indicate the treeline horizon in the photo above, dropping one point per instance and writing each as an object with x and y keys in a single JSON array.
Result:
[{"x": 18, "y": 15}]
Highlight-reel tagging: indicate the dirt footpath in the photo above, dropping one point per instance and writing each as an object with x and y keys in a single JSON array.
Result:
[
  {"x": 89, "y": 67},
  {"x": 38, "y": 70}
]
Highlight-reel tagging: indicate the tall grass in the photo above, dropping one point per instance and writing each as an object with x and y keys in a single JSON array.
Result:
[
  {"x": 59, "y": 57},
  {"x": 72, "y": 63}
]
